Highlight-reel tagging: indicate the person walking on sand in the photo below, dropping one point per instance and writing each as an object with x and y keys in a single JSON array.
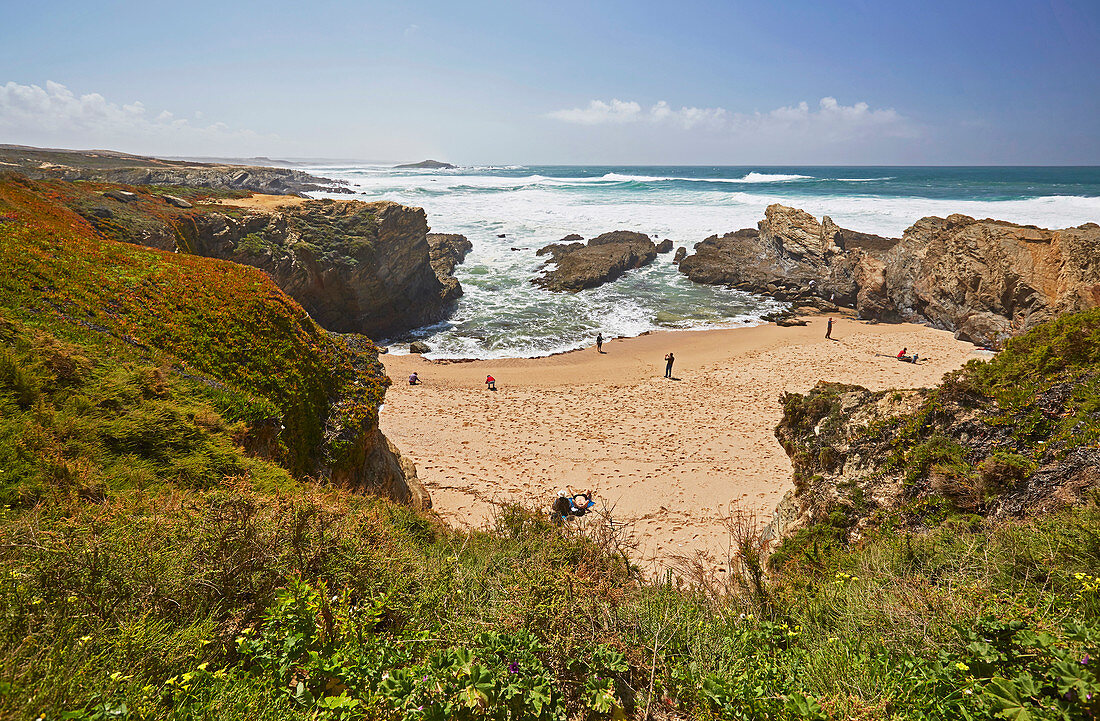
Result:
[
  {"x": 490, "y": 383},
  {"x": 599, "y": 342},
  {"x": 829, "y": 330},
  {"x": 669, "y": 360}
]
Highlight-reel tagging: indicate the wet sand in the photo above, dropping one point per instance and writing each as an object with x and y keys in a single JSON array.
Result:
[{"x": 670, "y": 455}]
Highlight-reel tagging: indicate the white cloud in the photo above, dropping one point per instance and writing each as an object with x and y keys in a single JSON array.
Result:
[
  {"x": 829, "y": 120},
  {"x": 33, "y": 114}
]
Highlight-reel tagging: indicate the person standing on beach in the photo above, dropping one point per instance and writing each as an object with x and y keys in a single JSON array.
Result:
[
  {"x": 599, "y": 342},
  {"x": 669, "y": 359},
  {"x": 829, "y": 330}
]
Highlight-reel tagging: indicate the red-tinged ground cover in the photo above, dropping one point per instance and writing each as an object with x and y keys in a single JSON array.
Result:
[{"x": 226, "y": 322}]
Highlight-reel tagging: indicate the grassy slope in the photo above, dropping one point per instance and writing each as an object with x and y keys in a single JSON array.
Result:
[
  {"x": 225, "y": 324},
  {"x": 183, "y": 578}
]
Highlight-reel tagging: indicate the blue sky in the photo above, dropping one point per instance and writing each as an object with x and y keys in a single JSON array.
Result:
[{"x": 857, "y": 82}]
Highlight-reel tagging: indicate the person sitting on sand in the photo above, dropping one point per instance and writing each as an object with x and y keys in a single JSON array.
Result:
[
  {"x": 414, "y": 379},
  {"x": 581, "y": 503},
  {"x": 490, "y": 383},
  {"x": 562, "y": 508},
  {"x": 907, "y": 358}
]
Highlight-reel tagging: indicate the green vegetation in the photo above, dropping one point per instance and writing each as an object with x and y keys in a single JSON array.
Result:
[{"x": 163, "y": 553}]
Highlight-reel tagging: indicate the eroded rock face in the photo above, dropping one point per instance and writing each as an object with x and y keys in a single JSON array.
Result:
[
  {"x": 380, "y": 468},
  {"x": 354, "y": 266},
  {"x": 986, "y": 280},
  {"x": 446, "y": 251},
  {"x": 790, "y": 256},
  {"x": 603, "y": 259}
]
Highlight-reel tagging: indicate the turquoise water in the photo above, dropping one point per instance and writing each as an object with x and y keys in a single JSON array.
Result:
[{"x": 502, "y": 314}]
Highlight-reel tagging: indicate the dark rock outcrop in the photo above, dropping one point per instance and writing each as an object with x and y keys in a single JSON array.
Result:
[
  {"x": 419, "y": 346},
  {"x": 356, "y": 267},
  {"x": 681, "y": 253},
  {"x": 605, "y": 258},
  {"x": 664, "y": 246},
  {"x": 446, "y": 251}
]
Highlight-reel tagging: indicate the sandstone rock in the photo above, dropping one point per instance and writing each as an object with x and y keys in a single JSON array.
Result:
[
  {"x": 178, "y": 202},
  {"x": 985, "y": 279},
  {"x": 664, "y": 246},
  {"x": 605, "y": 258},
  {"x": 681, "y": 253},
  {"x": 419, "y": 346}
]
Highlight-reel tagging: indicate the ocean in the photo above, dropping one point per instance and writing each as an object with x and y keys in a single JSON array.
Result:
[{"x": 509, "y": 212}]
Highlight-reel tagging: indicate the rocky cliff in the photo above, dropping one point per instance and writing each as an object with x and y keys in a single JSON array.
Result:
[
  {"x": 1015, "y": 436},
  {"x": 355, "y": 266},
  {"x": 984, "y": 279},
  {"x": 603, "y": 259}
]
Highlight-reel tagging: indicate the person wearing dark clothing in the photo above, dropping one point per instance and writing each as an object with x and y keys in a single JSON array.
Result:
[
  {"x": 599, "y": 342},
  {"x": 669, "y": 360},
  {"x": 562, "y": 508},
  {"x": 829, "y": 330}
]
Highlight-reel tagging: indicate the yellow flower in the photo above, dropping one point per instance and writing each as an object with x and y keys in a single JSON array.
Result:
[{"x": 962, "y": 666}]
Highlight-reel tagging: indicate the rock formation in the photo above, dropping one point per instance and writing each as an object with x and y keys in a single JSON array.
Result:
[
  {"x": 354, "y": 266},
  {"x": 790, "y": 256},
  {"x": 446, "y": 251},
  {"x": 603, "y": 259},
  {"x": 986, "y": 279},
  {"x": 983, "y": 279},
  {"x": 664, "y": 246}
]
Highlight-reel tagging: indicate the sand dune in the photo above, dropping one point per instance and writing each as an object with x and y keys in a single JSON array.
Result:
[{"x": 670, "y": 455}]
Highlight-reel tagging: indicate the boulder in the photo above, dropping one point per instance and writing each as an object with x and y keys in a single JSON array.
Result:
[
  {"x": 664, "y": 246},
  {"x": 571, "y": 237},
  {"x": 122, "y": 196},
  {"x": 419, "y": 346},
  {"x": 176, "y": 201},
  {"x": 681, "y": 252},
  {"x": 603, "y": 259}
]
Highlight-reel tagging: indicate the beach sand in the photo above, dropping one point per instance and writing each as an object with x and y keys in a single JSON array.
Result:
[{"x": 672, "y": 456}]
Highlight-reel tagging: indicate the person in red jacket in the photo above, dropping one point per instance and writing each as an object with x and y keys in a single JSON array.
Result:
[{"x": 490, "y": 383}]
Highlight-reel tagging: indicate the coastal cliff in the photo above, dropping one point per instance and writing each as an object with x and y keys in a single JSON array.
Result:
[
  {"x": 986, "y": 280},
  {"x": 1013, "y": 437},
  {"x": 356, "y": 267},
  {"x": 113, "y": 167},
  {"x": 201, "y": 370}
]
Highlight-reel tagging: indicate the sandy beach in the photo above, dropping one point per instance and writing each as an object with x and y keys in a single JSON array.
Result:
[{"x": 669, "y": 455}]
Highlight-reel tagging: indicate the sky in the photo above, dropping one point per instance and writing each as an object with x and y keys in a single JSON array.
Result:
[{"x": 800, "y": 82}]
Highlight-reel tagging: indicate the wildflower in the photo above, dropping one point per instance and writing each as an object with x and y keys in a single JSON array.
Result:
[
  {"x": 1085, "y": 660},
  {"x": 962, "y": 666},
  {"x": 513, "y": 667}
]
